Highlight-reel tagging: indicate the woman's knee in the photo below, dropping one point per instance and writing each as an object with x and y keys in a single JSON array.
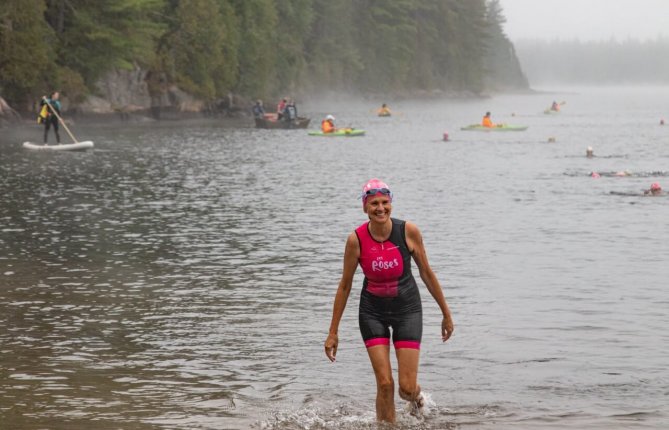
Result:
[
  {"x": 386, "y": 384},
  {"x": 408, "y": 390}
]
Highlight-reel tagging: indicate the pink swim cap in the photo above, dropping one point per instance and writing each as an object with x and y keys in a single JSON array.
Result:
[
  {"x": 655, "y": 186},
  {"x": 595, "y": 174},
  {"x": 375, "y": 184}
]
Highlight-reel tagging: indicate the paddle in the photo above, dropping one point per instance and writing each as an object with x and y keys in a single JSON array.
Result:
[{"x": 60, "y": 119}]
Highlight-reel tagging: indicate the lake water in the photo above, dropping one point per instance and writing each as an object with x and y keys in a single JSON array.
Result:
[{"x": 181, "y": 275}]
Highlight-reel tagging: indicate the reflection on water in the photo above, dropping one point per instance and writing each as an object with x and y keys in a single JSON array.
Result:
[{"x": 182, "y": 276}]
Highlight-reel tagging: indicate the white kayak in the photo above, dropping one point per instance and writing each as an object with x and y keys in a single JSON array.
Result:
[{"x": 79, "y": 146}]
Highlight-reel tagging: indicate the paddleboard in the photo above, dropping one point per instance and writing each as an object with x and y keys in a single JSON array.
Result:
[{"x": 79, "y": 146}]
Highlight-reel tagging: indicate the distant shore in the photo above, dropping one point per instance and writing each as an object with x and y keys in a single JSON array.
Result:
[{"x": 232, "y": 113}]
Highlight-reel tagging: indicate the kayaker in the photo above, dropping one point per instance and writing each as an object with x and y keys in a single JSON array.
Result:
[
  {"x": 258, "y": 109},
  {"x": 383, "y": 247},
  {"x": 384, "y": 110},
  {"x": 487, "y": 121},
  {"x": 51, "y": 119},
  {"x": 589, "y": 152},
  {"x": 654, "y": 190},
  {"x": 327, "y": 125}
]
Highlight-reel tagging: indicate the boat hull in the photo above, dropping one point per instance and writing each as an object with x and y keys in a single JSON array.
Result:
[{"x": 279, "y": 124}]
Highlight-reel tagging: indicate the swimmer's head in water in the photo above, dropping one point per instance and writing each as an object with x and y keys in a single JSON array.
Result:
[
  {"x": 374, "y": 187},
  {"x": 655, "y": 186}
]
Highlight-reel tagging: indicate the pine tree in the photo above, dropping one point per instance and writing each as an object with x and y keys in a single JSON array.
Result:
[
  {"x": 95, "y": 36},
  {"x": 26, "y": 55},
  {"x": 193, "y": 50}
]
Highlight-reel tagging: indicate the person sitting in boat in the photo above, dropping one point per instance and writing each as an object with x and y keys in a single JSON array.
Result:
[
  {"x": 555, "y": 106},
  {"x": 290, "y": 112},
  {"x": 654, "y": 190},
  {"x": 258, "y": 109},
  {"x": 487, "y": 121},
  {"x": 280, "y": 108},
  {"x": 384, "y": 110},
  {"x": 327, "y": 125},
  {"x": 53, "y": 104}
]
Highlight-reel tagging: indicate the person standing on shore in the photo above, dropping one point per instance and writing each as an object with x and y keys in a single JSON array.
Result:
[
  {"x": 53, "y": 103},
  {"x": 384, "y": 247}
]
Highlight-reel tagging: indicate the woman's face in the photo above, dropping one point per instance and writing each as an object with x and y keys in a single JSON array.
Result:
[{"x": 378, "y": 208}]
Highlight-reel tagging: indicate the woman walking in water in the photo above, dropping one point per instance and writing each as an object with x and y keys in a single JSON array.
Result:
[{"x": 390, "y": 299}]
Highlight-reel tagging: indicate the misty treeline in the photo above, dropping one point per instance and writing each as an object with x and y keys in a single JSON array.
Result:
[
  {"x": 603, "y": 62},
  {"x": 257, "y": 48}
]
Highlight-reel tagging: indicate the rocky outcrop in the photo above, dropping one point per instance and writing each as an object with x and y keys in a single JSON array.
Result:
[
  {"x": 95, "y": 105},
  {"x": 182, "y": 101},
  {"x": 137, "y": 92},
  {"x": 7, "y": 114},
  {"x": 125, "y": 90}
]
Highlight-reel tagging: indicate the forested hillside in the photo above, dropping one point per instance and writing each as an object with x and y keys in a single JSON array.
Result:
[{"x": 257, "y": 48}]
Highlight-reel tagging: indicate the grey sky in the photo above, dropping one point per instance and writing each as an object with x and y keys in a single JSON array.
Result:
[{"x": 586, "y": 19}]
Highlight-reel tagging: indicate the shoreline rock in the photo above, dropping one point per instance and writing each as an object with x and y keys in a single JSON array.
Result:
[{"x": 8, "y": 115}]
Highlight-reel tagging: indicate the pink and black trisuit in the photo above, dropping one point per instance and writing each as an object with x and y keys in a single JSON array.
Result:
[{"x": 390, "y": 296}]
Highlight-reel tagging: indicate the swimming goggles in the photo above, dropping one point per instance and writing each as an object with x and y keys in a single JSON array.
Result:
[{"x": 375, "y": 191}]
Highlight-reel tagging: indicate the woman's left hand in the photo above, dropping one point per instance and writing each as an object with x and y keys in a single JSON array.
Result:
[
  {"x": 446, "y": 327},
  {"x": 331, "y": 344}
]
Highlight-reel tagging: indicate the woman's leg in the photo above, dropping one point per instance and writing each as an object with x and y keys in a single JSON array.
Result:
[
  {"x": 55, "y": 129},
  {"x": 47, "y": 124},
  {"x": 379, "y": 355},
  {"x": 407, "y": 363}
]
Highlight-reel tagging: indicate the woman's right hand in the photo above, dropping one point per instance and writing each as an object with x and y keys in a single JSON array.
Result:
[{"x": 331, "y": 344}]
